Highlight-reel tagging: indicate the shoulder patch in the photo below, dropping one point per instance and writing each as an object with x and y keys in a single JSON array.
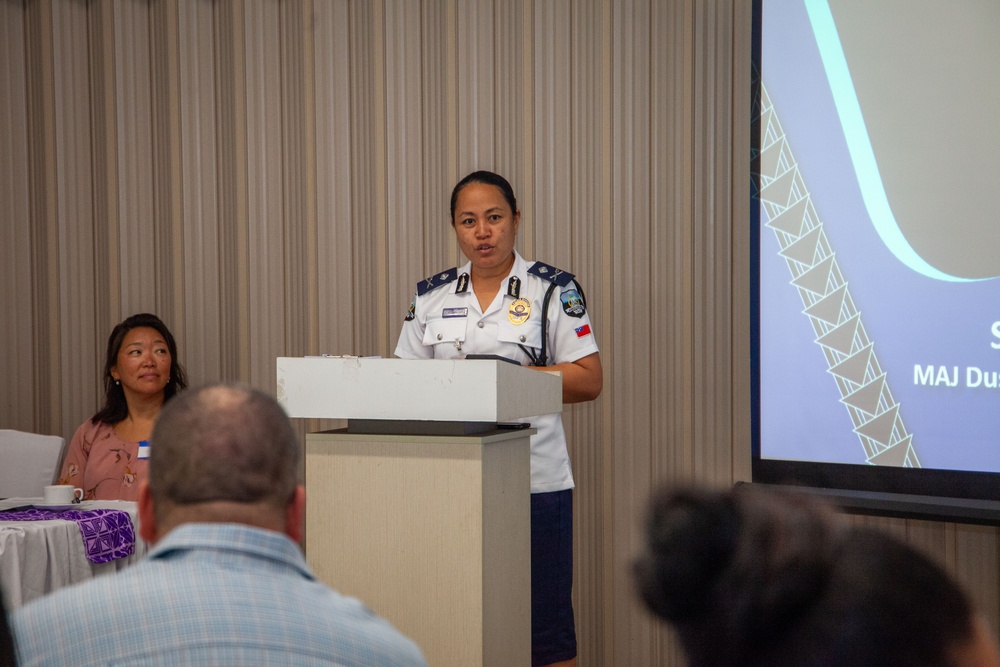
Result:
[
  {"x": 572, "y": 303},
  {"x": 432, "y": 283},
  {"x": 551, "y": 273}
]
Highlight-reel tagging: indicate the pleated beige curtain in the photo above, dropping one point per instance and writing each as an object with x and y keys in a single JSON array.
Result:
[{"x": 272, "y": 178}]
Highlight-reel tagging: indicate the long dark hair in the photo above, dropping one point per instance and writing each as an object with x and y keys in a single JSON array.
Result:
[
  {"x": 115, "y": 407},
  {"x": 487, "y": 178}
]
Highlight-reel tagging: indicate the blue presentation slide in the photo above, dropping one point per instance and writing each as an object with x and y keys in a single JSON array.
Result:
[{"x": 879, "y": 315}]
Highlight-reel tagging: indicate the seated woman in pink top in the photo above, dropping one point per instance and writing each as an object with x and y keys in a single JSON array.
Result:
[{"x": 141, "y": 373}]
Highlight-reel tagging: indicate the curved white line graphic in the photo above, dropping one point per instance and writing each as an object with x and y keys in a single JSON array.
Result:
[{"x": 859, "y": 145}]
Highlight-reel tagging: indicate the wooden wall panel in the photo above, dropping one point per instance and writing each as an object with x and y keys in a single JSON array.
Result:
[
  {"x": 40, "y": 264},
  {"x": 141, "y": 239},
  {"x": 231, "y": 119},
  {"x": 402, "y": 233},
  {"x": 513, "y": 107},
  {"x": 638, "y": 303},
  {"x": 476, "y": 36},
  {"x": 74, "y": 223},
  {"x": 201, "y": 194},
  {"x": 273, "y": 178},
  {"x": 975, "y": 565},
  {"x": 100, "y": 59},
  {"x": 270, "y": 186},
  {"x": 575, "y": 217},
  {"x": 298, "y": 174},
  {"x": 18, "y": 407},
  {"x": 337, "y": 217},
  {"x": 365, "y": 169},
  {"x": 438, "y": 163}
]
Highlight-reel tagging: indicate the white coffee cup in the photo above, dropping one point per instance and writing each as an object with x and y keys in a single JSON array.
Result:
[{"x": 62, "y": 494}]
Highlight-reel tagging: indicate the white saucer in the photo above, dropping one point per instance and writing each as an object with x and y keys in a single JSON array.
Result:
[{"x": 56, "y": 507}]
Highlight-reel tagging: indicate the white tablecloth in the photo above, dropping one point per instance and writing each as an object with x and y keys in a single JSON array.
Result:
[{"x": 37, "y": 557}]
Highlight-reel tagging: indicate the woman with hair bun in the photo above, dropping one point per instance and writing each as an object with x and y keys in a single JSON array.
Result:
[
  {"x": 141, "y": 373},
  {"x": 753, "y": 579}
]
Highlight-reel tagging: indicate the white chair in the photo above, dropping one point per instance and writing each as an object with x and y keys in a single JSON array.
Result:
[{"x": 28, "y": 462}]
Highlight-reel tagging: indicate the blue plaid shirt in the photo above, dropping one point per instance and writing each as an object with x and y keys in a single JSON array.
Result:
[{"x": 209, "y": 594}]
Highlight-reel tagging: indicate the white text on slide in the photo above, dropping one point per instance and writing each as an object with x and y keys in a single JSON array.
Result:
[{"x": 948, "y": 376}]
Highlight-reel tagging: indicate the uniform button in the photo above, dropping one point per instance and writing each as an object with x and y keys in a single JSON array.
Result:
[
  {"x": 440, "y": 336},
  {"x": 480, "y": 325},
  {"x": 523, "y": 339}
]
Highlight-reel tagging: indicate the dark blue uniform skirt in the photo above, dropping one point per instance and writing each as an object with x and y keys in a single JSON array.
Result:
[{"x": 553, "y": 631}]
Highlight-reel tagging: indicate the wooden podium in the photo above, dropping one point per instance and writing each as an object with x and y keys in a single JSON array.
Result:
[{"x": 421, "y": 506}]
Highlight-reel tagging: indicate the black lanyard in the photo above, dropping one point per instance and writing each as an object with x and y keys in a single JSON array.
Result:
[{"x": 542, "y": 358}]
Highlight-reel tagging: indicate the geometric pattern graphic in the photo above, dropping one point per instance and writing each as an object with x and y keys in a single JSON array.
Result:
[
  {"x": 826, "y": 297},
  {"x": 107, "y": 534}
]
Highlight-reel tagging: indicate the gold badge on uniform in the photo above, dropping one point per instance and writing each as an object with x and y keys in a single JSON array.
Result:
[{"x": 519, "y": 311}]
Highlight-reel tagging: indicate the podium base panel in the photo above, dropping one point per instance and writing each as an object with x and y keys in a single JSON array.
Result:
[{"x": 432, "y": 533}]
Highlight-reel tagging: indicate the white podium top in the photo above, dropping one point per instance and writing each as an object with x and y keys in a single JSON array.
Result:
[{"x": 462, "y": 390}]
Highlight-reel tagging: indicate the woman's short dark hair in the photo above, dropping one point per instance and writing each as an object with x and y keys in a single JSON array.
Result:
[
  {"x": 115, "y": 408},
  {"x": 488, "y": 178},
  {"x": 751, "y": 578}
]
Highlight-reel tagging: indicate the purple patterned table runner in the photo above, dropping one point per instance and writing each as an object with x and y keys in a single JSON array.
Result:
[{"x": 107, "y": 534}]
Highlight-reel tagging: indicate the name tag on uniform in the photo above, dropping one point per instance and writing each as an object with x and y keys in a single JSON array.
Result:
[{"x": 455, "y": 312}]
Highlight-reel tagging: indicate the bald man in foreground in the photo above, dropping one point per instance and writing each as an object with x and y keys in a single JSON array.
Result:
[{"x": 225, "y": 582}]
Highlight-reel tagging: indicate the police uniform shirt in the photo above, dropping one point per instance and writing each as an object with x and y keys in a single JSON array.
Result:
[{"x": 446, "y": 322}]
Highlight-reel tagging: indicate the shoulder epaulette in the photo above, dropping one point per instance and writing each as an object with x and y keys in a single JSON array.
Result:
[
  {"x": 551, "y": 273},
  {"x": 438, "y": 280}
]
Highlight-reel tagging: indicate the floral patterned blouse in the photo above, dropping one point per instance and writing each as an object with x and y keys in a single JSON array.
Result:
[{"x": 102, "y": 464}]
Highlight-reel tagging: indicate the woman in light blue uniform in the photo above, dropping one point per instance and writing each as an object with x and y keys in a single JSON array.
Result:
[{"x": 499, "y": 303}]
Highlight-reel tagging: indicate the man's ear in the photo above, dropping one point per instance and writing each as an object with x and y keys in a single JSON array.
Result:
[
  {"x": 147, "y": 517},
  {"x": 295, "y": 514}
]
